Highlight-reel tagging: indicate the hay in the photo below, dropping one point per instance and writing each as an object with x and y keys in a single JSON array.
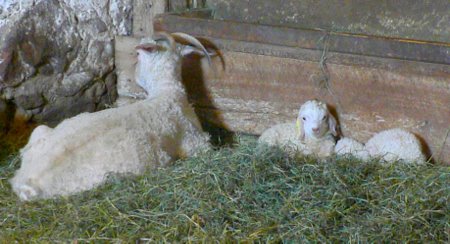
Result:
[{"x": 243, "y": 194}]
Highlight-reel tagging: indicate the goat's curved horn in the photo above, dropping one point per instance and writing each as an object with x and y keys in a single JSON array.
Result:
[
  {"x": 194, "y": 41},
  {"x": 165, "y": 36}
]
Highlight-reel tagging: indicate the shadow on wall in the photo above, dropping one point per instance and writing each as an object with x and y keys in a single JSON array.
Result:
[{"x": 193, "y": 76}]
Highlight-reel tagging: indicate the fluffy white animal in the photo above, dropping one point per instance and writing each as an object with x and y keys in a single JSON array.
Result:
[
  {"x": 313, "y": 133},
  {"x": 80, "y": 152},
  {"x": 350, "y": 146},
  {"x": 396, "y": 144},
  {"x": 389, "y": 145}
]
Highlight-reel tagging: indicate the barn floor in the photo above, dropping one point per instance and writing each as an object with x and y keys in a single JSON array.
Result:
[{"x": 242, "y": 193}]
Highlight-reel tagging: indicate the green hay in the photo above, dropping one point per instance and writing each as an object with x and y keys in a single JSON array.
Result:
[{"x": 244, "y": 193}]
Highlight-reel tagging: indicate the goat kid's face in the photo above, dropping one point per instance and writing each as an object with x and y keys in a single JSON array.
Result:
[{"x": 315, "y": 121}]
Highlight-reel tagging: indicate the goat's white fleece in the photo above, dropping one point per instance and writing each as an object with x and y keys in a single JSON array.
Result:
[
  {"x": 299, "y": 137},
  {"x": 285, "y": 136},
  {"x": 80, "y": 152},
  {"x": 349, "y": 146},
  {"x": 282, "y": 135},
  {"x": 396, "y": 144},
  {"x": 389, "y": 146}
]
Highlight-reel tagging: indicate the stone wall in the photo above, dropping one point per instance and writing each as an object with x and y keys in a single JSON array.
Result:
[{"x": 57, "y": 56}]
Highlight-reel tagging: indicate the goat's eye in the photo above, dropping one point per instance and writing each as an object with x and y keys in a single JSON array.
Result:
[
  {"x": 324, "y": 117},
  {"x": 304, "y": 118}
]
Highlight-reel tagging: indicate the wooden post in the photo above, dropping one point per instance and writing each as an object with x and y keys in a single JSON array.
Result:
[
  {"x": 125, "y": 61},
  {"x": 144, "y": 12}
]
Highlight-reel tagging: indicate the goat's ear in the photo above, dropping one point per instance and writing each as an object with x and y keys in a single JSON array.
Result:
[
  {"x": 148, "y": 47},
  {"x": 300, "y": 130},
  {"x": 332, "y": 125}
]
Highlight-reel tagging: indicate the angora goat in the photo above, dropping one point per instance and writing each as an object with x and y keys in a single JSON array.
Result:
[
  {"x": 389, "y": 145},
  {"x": 80, "y": 152},
  {"x": 350, "y": 146},
  {"x": 314, "y": 133}
]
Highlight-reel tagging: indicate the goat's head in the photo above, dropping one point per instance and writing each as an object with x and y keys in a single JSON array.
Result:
[
  {"x": 314, "y": 121},
  {"x": 159, "y": 59}
]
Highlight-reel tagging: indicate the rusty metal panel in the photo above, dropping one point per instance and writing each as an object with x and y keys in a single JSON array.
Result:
[{"x": 263, "y": 84}]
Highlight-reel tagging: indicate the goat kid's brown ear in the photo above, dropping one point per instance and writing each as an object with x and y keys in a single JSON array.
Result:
[
  {"x": 148, "y": 47},
  {"x": 332, "y": 125}
]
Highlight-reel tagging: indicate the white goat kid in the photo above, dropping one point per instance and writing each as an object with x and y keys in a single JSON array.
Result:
[
  {"x": 313, "y": 133},
  {"x": 396, "y": 145},
  {"x": 350, "y": 146},
  {"x": 388, "y": 146},
  {"x": 80, "y": 152}
]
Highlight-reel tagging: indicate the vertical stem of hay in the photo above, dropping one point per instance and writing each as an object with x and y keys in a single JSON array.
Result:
[{"x": 325, "y": 81}]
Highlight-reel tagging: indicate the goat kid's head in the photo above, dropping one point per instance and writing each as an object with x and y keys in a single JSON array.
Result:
[
  {"x": 159, "y": 59},
  {"x": 315, "y": 121}
]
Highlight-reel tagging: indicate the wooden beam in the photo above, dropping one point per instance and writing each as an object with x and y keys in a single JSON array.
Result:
[
  {"x": 125, "y": 64},
  {"x": 375, "y": 46},
  {"x": 143, "y": 13}
]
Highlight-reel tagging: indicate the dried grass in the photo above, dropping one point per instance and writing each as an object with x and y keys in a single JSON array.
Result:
[{"x": 244, "y": 193}]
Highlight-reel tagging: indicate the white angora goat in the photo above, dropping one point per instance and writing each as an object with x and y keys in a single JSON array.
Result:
[
  {"x": 80, "y": 152},
  {"x": 314, "y": 133},
  {"x": 396, "y": 144},
  {"x": 389, "y": 146}
]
